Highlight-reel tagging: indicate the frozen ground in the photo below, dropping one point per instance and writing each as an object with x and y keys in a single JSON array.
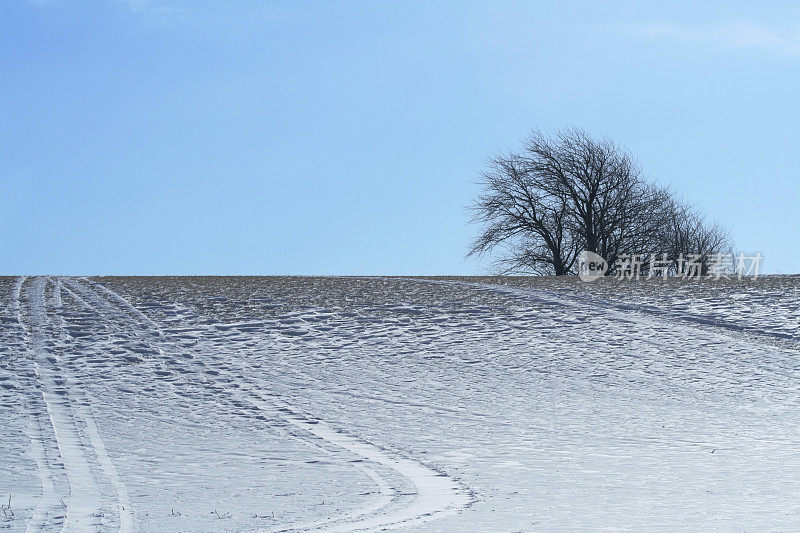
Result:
[{"x": 447, "y": 404}]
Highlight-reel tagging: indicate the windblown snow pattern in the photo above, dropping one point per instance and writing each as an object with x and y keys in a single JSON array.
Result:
[{"x": 424, "y": 404}]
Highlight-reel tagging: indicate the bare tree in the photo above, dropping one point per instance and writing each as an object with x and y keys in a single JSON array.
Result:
[
  {"x": 683, "y": 232},
  {"x": 599, "y": 180},
  {"x": 570, "y": 192},
  {"x": 521, "y": 215}
]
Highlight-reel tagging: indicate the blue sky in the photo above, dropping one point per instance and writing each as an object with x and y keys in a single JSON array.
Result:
[{"x": 166, "y": 137}]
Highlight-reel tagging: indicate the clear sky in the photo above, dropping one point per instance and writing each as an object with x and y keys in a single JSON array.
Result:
[{"x": 171, "y": 137}]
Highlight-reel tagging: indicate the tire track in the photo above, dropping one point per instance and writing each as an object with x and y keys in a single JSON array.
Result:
[
  {"x": 385, "y": 497},
  {"x": 631, "y": 313},
  {"x": 681, "y": 334},
  {"x": 46, "y": 510},
  {"x": 83, "y": 411},
  {"x": 81, "y": 505},
  {"x": 48, "y": 499},
  {"x": 435, "y": 494},
  {"x": 16, "y": 298}
]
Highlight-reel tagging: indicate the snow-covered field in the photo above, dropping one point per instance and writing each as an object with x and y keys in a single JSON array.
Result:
[{"x": 440, "y": 404}]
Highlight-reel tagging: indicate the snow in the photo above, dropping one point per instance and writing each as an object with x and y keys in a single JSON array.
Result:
[{"x": 363, "y": 404}]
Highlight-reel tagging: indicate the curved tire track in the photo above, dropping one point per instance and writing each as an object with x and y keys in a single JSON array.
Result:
[{"x": 436, "y": 494}]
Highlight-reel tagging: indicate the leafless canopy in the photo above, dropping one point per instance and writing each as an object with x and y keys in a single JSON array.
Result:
[{"x": 568, "y": 192}]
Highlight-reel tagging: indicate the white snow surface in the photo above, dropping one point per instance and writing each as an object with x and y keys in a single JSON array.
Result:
[{"x": 422, "y": 404}]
